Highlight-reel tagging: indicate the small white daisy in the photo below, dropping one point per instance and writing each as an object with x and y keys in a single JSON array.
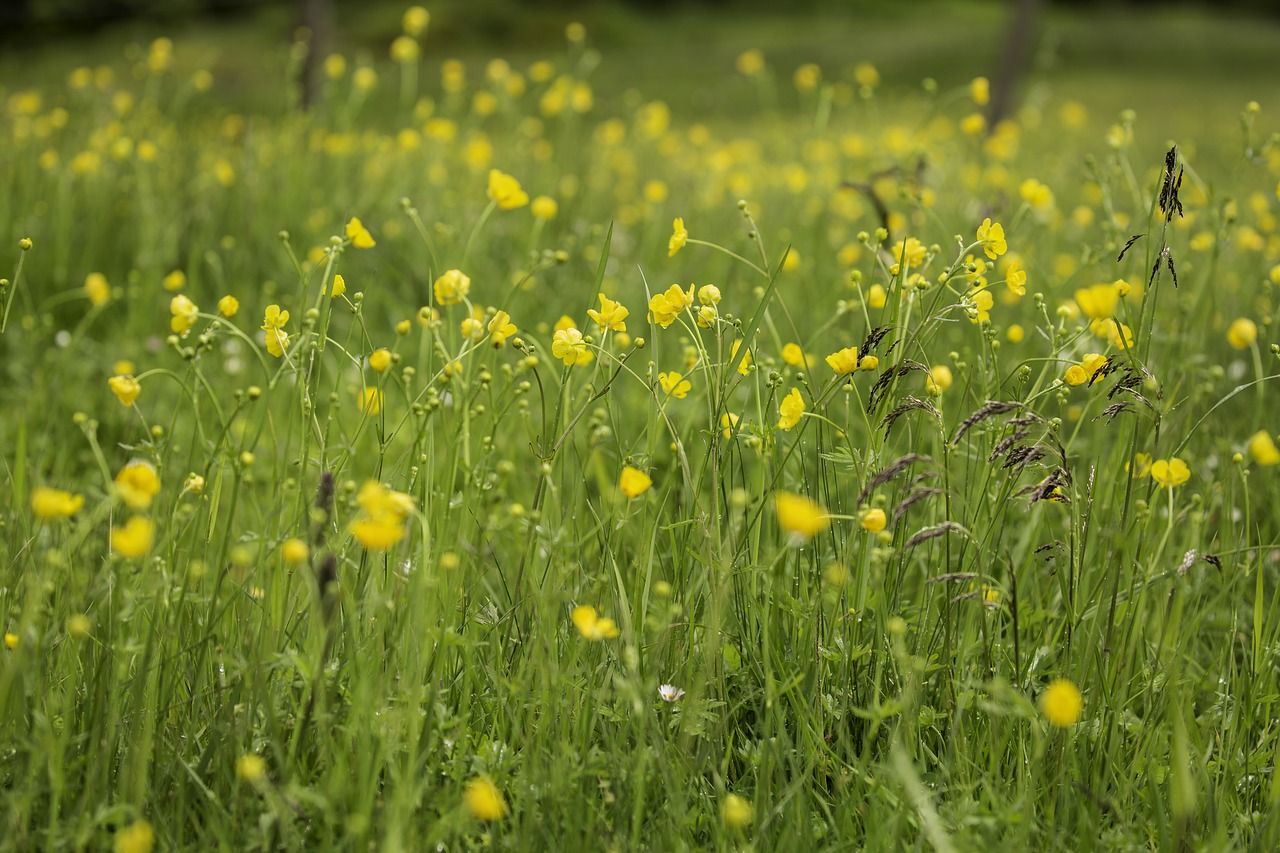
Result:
[{"x": 670, "y": 693}]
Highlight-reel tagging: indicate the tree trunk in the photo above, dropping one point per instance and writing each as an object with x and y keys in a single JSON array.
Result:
[{"x": 1013, "y": 59}]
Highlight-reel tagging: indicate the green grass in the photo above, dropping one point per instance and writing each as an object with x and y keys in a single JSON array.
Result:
[{"x": 422, "y": 674}]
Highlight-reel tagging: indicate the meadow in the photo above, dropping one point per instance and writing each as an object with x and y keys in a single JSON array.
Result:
[{"x": 495, "y": 454}]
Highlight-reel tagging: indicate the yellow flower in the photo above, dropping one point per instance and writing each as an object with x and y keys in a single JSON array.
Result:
[
  {"x": 745, "y": 367},
  {"x": 1170, "y": 472},
  {"x": 484, "y": 800},
  {"x": 50, "y": 504},
  {"x": 844, "y": 361},
  {"x": 736, "y": 812},
  {"x": 339, "y": 286},
  {"x": 380, "y": 359},
  {"x": 228, "y": 306},
  {"x": 909, "y": 251},
  {"x": 97, "y": 289},
  {"x": 728, "y": 421},
  {"x": 980, "y": 91},
  {"x": 612, "y": 315},
  {"x": 790, "y": 409},
  {"x": 666, "y": 306},
  {"x": 137, "y": 484},
  {"x": 452, "y": 287},
  {"x": 991, "y": 236},
  {"x": 10, "y": 640},
  {"x": 137, "y": 837},
  {"x": 978, "y": 304},
  {"x": 545, "y": 207},
  {"x": 869, "y": 362},
  {"x": 175, "y": 280},
  {"x": 383, "y": 512},
  {"x": 125, "y": 387},
  {"x": 1061, "y": 703},
  {"x": 251, "y": 767},
  {"x": 505, "y": 191},
  {"x": 675, "y": 384},
  {"x": 193, "y": 484},
  {"x": 1099, "y": 301},
  {"x": 939, "y": 379},
  {"x": 415, "y": 20},
  {"x": 1263, "y": 449},
  {"x": 501, "y": 327},
  {"x": 404, "y": 50},
  {"x": 873, "y": 520},
  {"x": 1141, "y": 465},
  {"x": 866, "y": 75},
  {"x": 135, "y": 538},
  {"x": 185, "y": 313},
  {"x": 750, "y": 62},
  {"x": 568, "y": 346},
  {"x": 678, "y": 238},
  {"x": 1075, "y": 376},
  {"x": 273, "y": 321},
  {"x": 634, "y": 482},
  {"x": 1015, "y": 278},
  {"x": 369, "y": 401},
  {"x": 1242, "y": 333},
  {"x": 359, "y": 235},
  {"x": 877, "y": 296},
  {"x": 793, "y": 355},
  {"x": 799, "y": 516},
  {"x": 591, "y": 625}
]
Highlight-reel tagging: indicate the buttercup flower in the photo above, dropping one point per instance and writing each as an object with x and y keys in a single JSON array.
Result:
[
  {"x": 505, "y": 191},
  {"x": 125, "y": 387},
  {"x": 844, "y": 361},
  {"x": 1242, "y": 333},
  {"x": 50, "y": 504},
  {"x": 799, "y": 516},
  {"x": 483, "y": 799},
  {"x": 359, "y": 235},
  {"x": 666, "y": 306},
  {"x": 339, "y": 285},
  {"x": 991, "y": 236},
  {"x": 939, "y": 379},
  {"x": 612, "y": 315},
  {"x": 1263, "y": 449},
  {"x": 736, "y": 812},
  {"x": 1061, "y": 703},
  {"x": 790, "y": 409},
  {"x": 633, "y": 482},
  {"x": 679, "y": 236},
  {"x": 228, "y": 306},
  {"x": 591, "y": 625},
  {"x": 1170, "y": 472},
  {"x": 251, "y": 767},
  {"x": 674, "y": 384},
  {"x": 545, "y": 207},
  {"x": 174, "y": 281},
  {"x": 1015, "y": 278},
  {"x": 137, "y": 837},
  {"x": 568, "y": 346},
  {"x": 383, "y": 512},
  {"x": 273, "y": 321},
  {"x": 135, "y": 538},
  {"x": 452, "y": 287},
  {"x": 501, "y": 328},
  {"x": 380, "y": 359},
  {"x": 97, "y": 289},
  {"x": 872, "y": 520},
  {"x": 137, "y": 484},
  {"x": 185, "y": 313}
]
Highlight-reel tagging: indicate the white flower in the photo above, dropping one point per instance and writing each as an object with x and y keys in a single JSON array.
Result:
[{"x": 670, "y": 693}]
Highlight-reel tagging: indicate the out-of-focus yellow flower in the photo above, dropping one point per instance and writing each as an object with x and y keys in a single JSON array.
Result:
[
  {"x": 294, "y": 551},
  {"x": 591, "y": 625},
  {"x": 51, "y": 504},
  {"x": 633, "y": 482},
  {"x": 790, "y": 409},
  {"x": 369, "y": 401},
  {"x": 359, "y": 235},
  {"x": 483, "y": 799},
  {"x": 877, "y": 296},
  {"x": 750, "y": 62},
  {"x": 1242, "y": 333},
  {"x": 135, "y": 539},
  {"x": 505, "y": 191},
  {"x": 125, "y": 387},
  {"x": 980, "y": 91},
  {"x": 174, "y": 281},
  {"x": 939, "y": 379},
  {"x": 1061, "y": 703},
  {"x": 137, "y": 484},
  {"x": 404, "y": 50},
  {"x": 97, "y": 289},
  {"x": 452, "y": 287},
  {"x": 380, "y": 359},
  {"x": 415, "y": 20},
  {"x": 799, "y": 516},
  {"x": 383, "y": 512},
  {"x": 872, "y": 520},
  {"x": 866, "y": 75},
  {"x": 1263, "y": 449},
  {"x": 251, "y": 767},
  {"x": 736, "y": 812},
  {"x": 137, "y": 837},
  {"x": 185, "y": 313},
  {"x": 545, "y": 207},
  {"x": 228, "y": 306}
]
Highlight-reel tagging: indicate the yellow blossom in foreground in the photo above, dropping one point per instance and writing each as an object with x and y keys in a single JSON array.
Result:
[
  {"x": 251, "y": 768},
  {"x": 339, "y": 285},
  {"x": 125, "y": 387},
  {"x": 383, "y": 512},
  {"x": 97, "y": 289},
  {"x": 679, "y": 237},
  {"x": 483, "y": 799},
  {"x": 137, "y": 484},
  {"x": 634, "y": 482},
  {"x": 380, "y": 359},
  {"x": 228, "y": 306},
  {"x": 844, "y": 361},
  {"x": 873, "y": 520},
  {"x": 612, "y": 315},
  {"x": 568, "y": 346},
  {"x": 991, "y": 236},
  {"x": 675, "y": 384},
  {"x": 1170, "y": 472},
  {"x": 591, "y": 625},
  {"x": 799, "y": 516},
  {"x": 1243, "y": 333},
  {"x": 50, "y": 504},
  {"x": 736, "y": 812},
  {"x": 185, "y": 313},
  {"x": 452, "y": 287},
  {"x": 505, "y": 191},
  {"x": 790, "y": 409},
  {"x": 135, "y": 538},
  {"x": 359, "y": 235},
  {"x": 1061, "y": 703},
  {"x": 273, "y": 321},
  {"x": 1263, "y": 449},
  {"x": 137, "y": 837}
]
